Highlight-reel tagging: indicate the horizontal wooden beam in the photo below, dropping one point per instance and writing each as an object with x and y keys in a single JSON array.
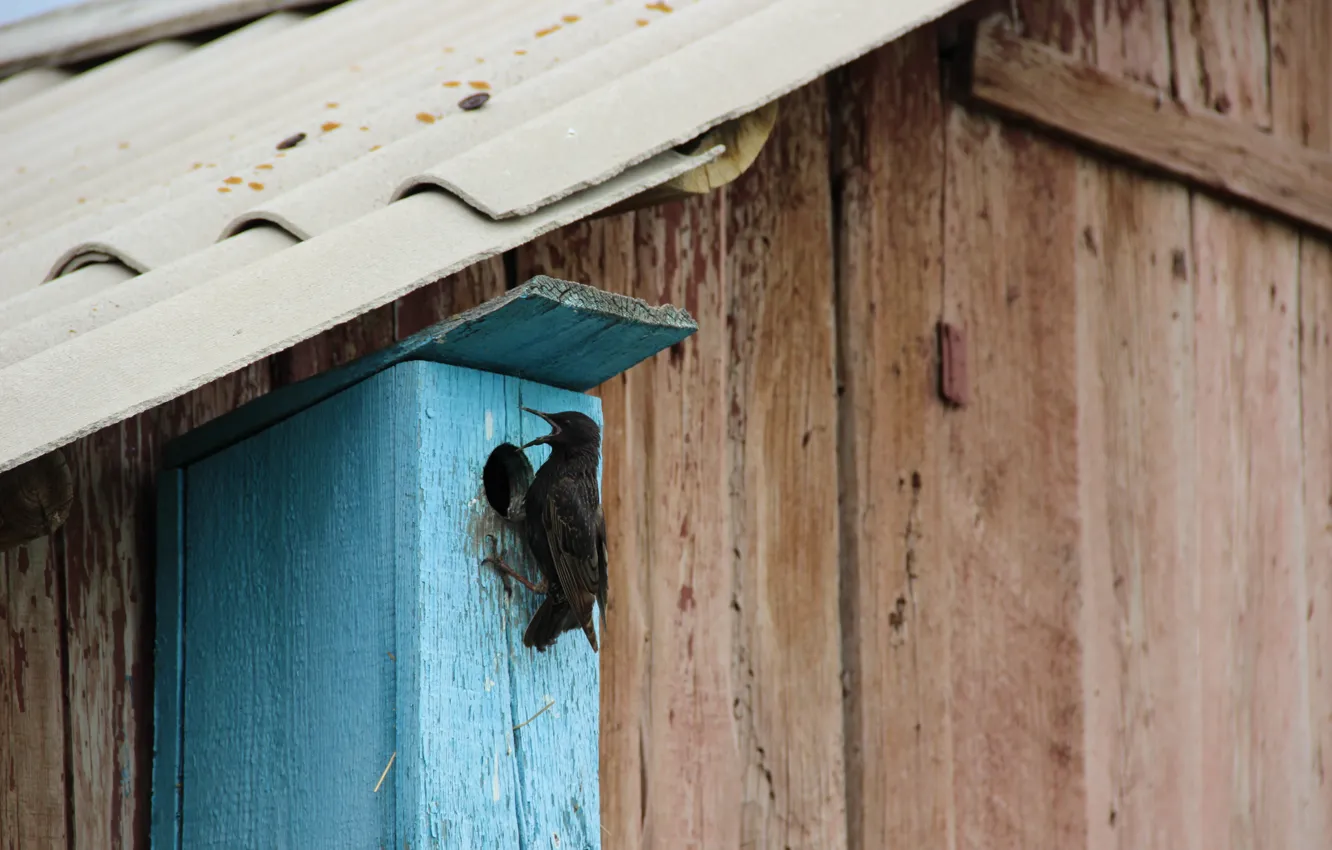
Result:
[
  {"x": 1040, "y": 84},
  {"x": 35, "y": 499}
]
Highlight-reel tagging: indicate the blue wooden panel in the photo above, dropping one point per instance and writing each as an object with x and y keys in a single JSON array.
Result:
[
  {"x": 167, "y": 660},
  {"x": 551, "y": 331},
  {"x": 557, "y": 752},
  {"x": 337, "y": 613},
  {"x": 458, "y": 783},
  {"x": 289, "y": 617}
]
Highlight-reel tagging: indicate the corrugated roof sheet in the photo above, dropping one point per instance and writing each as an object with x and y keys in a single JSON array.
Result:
[{"x": 155, "y": 233}]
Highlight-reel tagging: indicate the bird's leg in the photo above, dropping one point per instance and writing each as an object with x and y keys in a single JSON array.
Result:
[{"x": 496, "y": 560}]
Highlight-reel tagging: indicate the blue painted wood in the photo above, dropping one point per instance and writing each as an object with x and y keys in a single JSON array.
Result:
[
  {"x": 337, "y": 613},
  {"x": 167, "y": 660},
  {"x": 550, "y": 331}
]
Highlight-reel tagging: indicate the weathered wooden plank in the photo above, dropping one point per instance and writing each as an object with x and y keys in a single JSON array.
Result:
[
  {"x": 783, "y": 429},
  {"x": 435, "y": 302},
  {"x": 1250, "y": 493},
  {"x": 1076, "y": 99},
  {"x": 1221, "y": 56},
  {"x": 896, "y": 587},
  {"x": 335, "y": 347},
  {"x": 168, "y": 662},
  {"x": 1011, "y": 529},
  {"x": 1136, "y": 479},
  {"x": 1301, "y": 85},
  {"x": 33, "y": 792},
  {"x": 1251, "y": 531},
  {"x": 550, "y": 331}
]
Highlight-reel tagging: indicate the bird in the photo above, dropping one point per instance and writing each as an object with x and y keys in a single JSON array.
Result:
[{"x": 565, "y": 530}]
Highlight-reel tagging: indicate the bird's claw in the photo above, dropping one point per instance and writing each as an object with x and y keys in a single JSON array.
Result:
[{"x": 496, "y": 561}]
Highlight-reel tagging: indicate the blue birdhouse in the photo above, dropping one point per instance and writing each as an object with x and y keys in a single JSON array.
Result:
[{"x": 336, "y": 667}]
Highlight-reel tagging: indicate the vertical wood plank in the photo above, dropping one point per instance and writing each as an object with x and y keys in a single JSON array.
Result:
[
  {"x": 1137, "y": 470},
  {"x": 1302, "y": 112},
  {"x": 1250, "y": 503},
  {"x": 783, "y": 429},
  {"x": 896, "y": 587},
  {"x": 338, "y": 345},
  {"x": 1011, "y": 528},
  {"x": 1220, "y": 56},
  {"x": 437, "y": 301},
  {"x": 33, "y": 791}
]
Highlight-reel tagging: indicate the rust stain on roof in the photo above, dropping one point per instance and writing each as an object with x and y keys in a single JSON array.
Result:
[
  {"x": 264, "y": 166},
  {"x": 520, "y": 53},
  {"x": 375, "y": 148},
  {"x": 570, "y": 19},
  {"x": 547, "y": 31},
  {"x": 480, "y": 85},
  {"x": 124, "y": 146},
  {"x": 329, "y": 126},
  {"x": 660, "y": 7},
  {"x": 223, "y": 189},
  {"x": 425, "y": 118},
  {"x": 234, "y": 181},
  {"x": 332, "y": 104},
  {"x": 452, "y": 84},
  {"x": 258, "y": 187},
  {"x": 642, "y": 22}
]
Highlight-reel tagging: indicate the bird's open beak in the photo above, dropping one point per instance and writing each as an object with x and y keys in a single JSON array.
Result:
[{"x": 554, "y": 429}]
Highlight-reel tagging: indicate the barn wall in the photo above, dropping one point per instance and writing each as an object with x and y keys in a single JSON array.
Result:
[{"x": 1091, "y": 608}]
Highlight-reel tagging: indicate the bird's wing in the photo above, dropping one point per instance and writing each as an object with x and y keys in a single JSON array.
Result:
[
  {"x": 572, "y": 529},
  {"x": 602, "y": 560}
]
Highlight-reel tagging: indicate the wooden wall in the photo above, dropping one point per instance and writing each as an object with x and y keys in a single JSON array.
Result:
[{"x": 1092, "y": 608}]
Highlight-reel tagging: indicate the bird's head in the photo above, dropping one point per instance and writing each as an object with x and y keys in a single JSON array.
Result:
[{"x": 569, "y": 430}]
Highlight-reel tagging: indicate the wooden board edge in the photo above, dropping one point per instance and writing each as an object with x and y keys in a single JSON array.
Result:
[
  {"x": 168, "y": 663},
  {"x": 446, "y": 342}
]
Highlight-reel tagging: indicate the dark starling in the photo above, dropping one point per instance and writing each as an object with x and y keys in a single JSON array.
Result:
[{"x": 565, "y": 531}]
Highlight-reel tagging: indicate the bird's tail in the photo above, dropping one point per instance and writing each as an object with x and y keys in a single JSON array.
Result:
[{"x": 551, "y": 620}]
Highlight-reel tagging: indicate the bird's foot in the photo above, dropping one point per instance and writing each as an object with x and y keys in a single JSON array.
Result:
[{"x": 496, "y": 560}]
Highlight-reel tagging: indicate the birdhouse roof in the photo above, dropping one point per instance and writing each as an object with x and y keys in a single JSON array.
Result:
[{"x": 224, "y": 178}]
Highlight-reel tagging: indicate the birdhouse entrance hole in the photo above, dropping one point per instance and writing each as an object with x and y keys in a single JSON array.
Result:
[{"x": 506, "y": 477}]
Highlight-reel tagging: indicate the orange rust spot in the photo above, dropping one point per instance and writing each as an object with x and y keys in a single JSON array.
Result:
[
  {"x": 375, "y": 148},
  {"x": 364, "y": 129},
  {"x": 223, "y": 189},
  {"x": 83, "y": 200},
  {"x": 660, "y": 7},
  {"x": 258, "y": 187},
  {"x": 124, "y": 146},
  {"x": 332, "y": 104},
  {"x": 480, "y": 85},
  {"x": 571, "y": 19},
  {"x": 448, "y": 50},
  {"x": 480, "y": 61},
  {"x": 329, "y": 126},
  {"x": 234, "y": 181},
  {"x": 196, "y": 166},
  {"x": 425, "y": 118},
  {"x": 265, "y": 166},
  {"x": 642, "y": 22},
  {"x": 547, "y": 31},
  {"x": 452, "y": 84},
  {"x": 520, "y": 53}
]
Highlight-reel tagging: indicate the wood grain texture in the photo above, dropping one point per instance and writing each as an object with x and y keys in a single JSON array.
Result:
[
  {"x": 1251, "y": 523},
  {"x": 437, "y": 301},
  {"x": 896, "y": 586},
  {"x": 33, "y": 787},
  {"x": 1302, "y": 112},
  {"x": 1137, "y": 477},
  {"x": 361, "y": 519},
  {"x": 1221, "y": 55},
  {"x": 1224, "y": 154},
  {"x": 1011, "y": 528},
  {"x": 783, "y": 429}
]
